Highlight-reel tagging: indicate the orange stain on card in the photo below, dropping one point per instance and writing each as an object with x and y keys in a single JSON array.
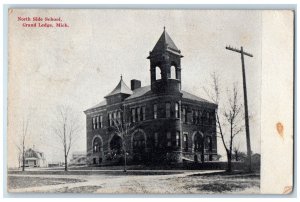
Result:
[
  {"x": 287, "y": 189},
  {"x": 280, "y": 129}
]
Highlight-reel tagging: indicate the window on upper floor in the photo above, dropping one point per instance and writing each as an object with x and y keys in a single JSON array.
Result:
[
  {"x": 97, "y": 122},
  {"x": 143, "y": 113},
  {"x": 110, "y": 121},
  {"x": 177, "y": 138},
  {"x": 155, "y": 111},
  {"x": 115, "y": 119},
  {"x": 155, "y": 139},
  {"x": 157, "y": 73},
  {"x": 173, "y": 72},
  {"x": 94, "y": 123},
  {"x": 184, "y": 115},
  {"x": 169, "y": 143},
  {"x": 101, "y": 122},
  {"x": 133, "y": 115},
  {"x": 199, "y": 117},
  {"x": 168, "y": 110},
  {"x": 138, "y": 111},
  {"x": 177, "y": 110},
  {"x": 119, "y": 117},
  {"x": 194, "y": 116}
]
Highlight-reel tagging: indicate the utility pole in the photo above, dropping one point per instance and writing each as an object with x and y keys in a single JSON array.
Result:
[{"x": 241, "y": 51}]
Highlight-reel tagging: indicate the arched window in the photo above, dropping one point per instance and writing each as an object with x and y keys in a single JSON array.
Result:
[
  {"x": 157, "y": 73},
  {"x": 208, "y": 143},
  {"x": 116, "y": 144},
  {"x": 198, "y": 142},
  {"x": 173, "y": 72},
  {"x": 96, "y": 145},
  {"x": 139, "y": 142},
  {"x": 185, "y": 142}
]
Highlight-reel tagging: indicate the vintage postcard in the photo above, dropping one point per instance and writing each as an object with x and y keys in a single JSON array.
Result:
[{"x": 137, "y": 101}]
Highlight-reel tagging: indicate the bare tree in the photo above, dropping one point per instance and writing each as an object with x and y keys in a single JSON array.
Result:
[
  {"x": 233, "y": 117},
  {"x": 20, "y": 156},
  {"x": 66, "y": 129},
  {"x": 236, "y": 151},
  {"x": 228, "y": 119},
  {"x": 21, "y": 145},
  {"x": 239, "y": 155},
  {"x": 123, "y": 128}
]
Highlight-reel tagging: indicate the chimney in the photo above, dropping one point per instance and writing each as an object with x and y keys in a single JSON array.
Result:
[{"x": 135, "y": 84}]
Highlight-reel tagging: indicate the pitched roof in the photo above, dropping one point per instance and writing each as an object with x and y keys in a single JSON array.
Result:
[
  {"x": 165, "y": 41},
  {"x": 102, "y": 103},
  {"x": 190, "y": 96},
  {"x": 120, "y": 88},
  {"x": 30, "y": 153},
  {"x": 140, "y": 92},
  {"x": 146, "y": 90}
]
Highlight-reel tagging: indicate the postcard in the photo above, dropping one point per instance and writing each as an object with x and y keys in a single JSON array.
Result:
[{"x": 146, "y": 101}]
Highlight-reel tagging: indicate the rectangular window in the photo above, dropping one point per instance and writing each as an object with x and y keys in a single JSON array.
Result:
[
  {"x": 155, "y": 111},
  {"x": 184, "y": 117},
  {"x": 169, "y": 139},
  {"x": 177, "y": 139},
  {"x": 168, "y": 110},
  {"x": 94, "y": 123},
  {"x": 132, "y": 115},
  {"x": 196, "y": 117},
  {"x": 119, "y": 117},
  {"x": 199, "y": 117},
  {"x": 168, "y": 135},
  {"x": 101, "y": 122},
  {"x": 138, "y": 111},
  {"x": 97, "y": 122},
  {"x": 114, "y": 118},
  {"x": 155, "y": 139},
  {"x": 177, "y": 110},
  {"x": 110, "y": 119},
  {"x": 143, "y": 115}
]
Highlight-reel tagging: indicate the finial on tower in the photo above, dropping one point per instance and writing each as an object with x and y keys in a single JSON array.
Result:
[
  {"x": 164, "y": 28},
  {"x": 121, "y": 77}
]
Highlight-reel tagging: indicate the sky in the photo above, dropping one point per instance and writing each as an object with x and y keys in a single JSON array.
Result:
[{"x": 77, "y": 66}]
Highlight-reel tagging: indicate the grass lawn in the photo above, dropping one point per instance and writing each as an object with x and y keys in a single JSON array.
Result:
[
  {"x": 79, "y": 172},
  {"x": 137, "y": 182},
  {"x": 81, "y": 189},
  {"x": 15, "y": 182},
  {"x": 223, "y": 182}
]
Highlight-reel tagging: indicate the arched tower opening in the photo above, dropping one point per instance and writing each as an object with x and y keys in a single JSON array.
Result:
[{"x": 167, "y": 57}]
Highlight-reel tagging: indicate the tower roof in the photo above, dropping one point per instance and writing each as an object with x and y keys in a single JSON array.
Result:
[
  {"x": 120, "y": 88},
  {"x": 165, "y": 43}
]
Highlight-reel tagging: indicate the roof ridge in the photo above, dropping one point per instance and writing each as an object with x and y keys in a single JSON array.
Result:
[
  {"x": 120, "y": 88},
  {"x": 165, "y": 42}
]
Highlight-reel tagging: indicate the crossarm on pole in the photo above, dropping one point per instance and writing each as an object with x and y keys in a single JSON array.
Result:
[{"x": 238, "y": 51}]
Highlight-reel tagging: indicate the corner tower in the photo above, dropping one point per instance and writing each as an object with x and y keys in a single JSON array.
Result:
[{"x": 165, "y": 65}]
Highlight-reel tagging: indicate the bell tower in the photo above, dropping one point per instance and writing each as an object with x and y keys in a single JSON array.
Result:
[{"x": 165, "y": 65}]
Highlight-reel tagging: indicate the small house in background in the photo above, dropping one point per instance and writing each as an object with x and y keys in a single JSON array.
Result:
[
  {"x": 55, "y": 164},
  {"x": 34, "y": 158},
  {"x": 78, "y": 158}
]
